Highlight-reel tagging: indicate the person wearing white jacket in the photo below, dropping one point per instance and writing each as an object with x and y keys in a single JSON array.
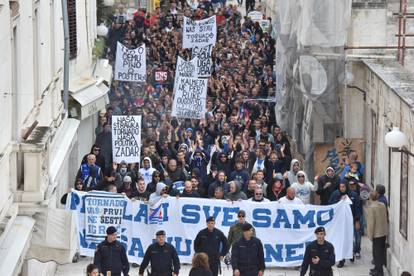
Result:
[
  {"x": 303, "y": 187},
  {"x": 146, "y": 170}
]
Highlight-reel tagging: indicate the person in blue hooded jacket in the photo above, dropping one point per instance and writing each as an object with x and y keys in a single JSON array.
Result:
[{"x": 342, "y": 193}]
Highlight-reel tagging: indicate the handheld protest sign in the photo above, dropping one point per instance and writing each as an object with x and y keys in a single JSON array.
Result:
[
  {"x": 126, "y": 138},
  {"x": 130, "y": 64}
]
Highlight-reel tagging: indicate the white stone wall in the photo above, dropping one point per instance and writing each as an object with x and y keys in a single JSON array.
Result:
[
  {"x": 31, "y": 70},
  {"x": 5, "y": 103},
  {"x": 368, "y": 28},
  {"x": 390, "y": 110}
]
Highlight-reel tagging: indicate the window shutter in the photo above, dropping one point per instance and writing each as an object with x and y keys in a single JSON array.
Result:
[{"x": 73, "y": 41}]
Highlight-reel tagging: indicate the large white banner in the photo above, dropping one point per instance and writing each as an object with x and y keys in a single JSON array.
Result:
[
  {"x": 130, "y": 64},
  {"x": 199, "y": 33},
  {"x": 284, "y": 230},
  {"x": 204, "y": 60},
  {"x": 190, "y": 95},
  {"x": 126, "y": 138}
]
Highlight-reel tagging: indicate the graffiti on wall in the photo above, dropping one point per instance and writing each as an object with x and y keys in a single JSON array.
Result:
[{"x": 336, "y": 156}]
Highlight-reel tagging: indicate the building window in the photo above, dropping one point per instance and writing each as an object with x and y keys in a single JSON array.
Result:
[
  {"x": 404, "y": 194},
  {"x": 73, "y": 42}
]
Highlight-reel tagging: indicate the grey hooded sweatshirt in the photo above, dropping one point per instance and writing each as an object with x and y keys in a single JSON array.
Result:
[
  {"x": 156, "y": 196},
  {"x": 237, "y": 195},
  {"x": 292, "y": 175}
]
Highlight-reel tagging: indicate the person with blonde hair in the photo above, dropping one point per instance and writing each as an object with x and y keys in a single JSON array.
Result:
[{"x": 200, "y": 265}]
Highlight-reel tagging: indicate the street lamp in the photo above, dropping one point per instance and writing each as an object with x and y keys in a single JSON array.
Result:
[{"x": 397, "y": 140}]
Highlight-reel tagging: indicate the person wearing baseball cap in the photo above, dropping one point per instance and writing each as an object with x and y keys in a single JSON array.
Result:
[
  {"x": 319, "y": 255},
  {"x": 247, "y": 255},
  {"x": 214, "y": 243},
  {"x": 110, "y": 255},
  {"x": 162, "y": 256}
]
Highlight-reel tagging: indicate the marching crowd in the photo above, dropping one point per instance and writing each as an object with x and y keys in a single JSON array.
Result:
[{"x": 237, "y": 152}]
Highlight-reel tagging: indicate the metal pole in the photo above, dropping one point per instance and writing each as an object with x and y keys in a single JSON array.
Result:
[
  {"x": 404, "y": 20},
  {"x": 399, "y": 33},
  {"x": 66, "y": 54}
]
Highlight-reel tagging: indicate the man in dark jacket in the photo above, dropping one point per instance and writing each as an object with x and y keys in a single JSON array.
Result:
[
  {"x": 273, "y": 165},
  {"x": 319, "y": 255},
  {"x": 327, "y": 184},
  {"x": 151, "y": 187},
  {"x": 212, "y": 241},
  {"x": 188, "y": 190},
  {"x": 111, "y": 256},
  {"x": 139, "y": 192},
  {"x": 220, "y": 182},
  {"x": 247, "y": 256},
  {"x": 163, "y": 257},
  {"x": 356, "y": 207},
  {"x": 240, "y": 174},
  {"x": 174, "y": 173},
  {"x": 104, "y": 141}
]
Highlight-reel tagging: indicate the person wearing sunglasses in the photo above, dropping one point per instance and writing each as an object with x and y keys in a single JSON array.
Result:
[
  {"x": 236, "y": 232},
  {"x": 258, "y": 196},
  {"x": 303, "y": 187},
  {"x": 160, "y": 192}
]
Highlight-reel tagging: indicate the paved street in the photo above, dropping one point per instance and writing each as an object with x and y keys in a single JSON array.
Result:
[{"x": 359, "y": 268}]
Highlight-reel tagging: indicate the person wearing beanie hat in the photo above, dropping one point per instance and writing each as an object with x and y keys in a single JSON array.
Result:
[
  {"x": 214, "y": 243},
  {"x": 319, "y": 255},
  {"x": 110, "y": 255},
  {"x": 247, "y": 227},
  {"x": 247, "y": 255},
  {"x": 162, "y": 256},
  {"x": 126, "y": 187},
  {"x": 111, "y": 230}
]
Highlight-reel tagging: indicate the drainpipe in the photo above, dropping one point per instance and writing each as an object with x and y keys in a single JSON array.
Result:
[{"x": 66, "y": 55}]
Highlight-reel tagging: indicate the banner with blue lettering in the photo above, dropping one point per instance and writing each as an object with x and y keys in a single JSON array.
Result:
[{"x": 283, "y": 229}]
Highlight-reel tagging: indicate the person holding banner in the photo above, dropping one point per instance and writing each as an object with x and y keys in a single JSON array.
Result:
[
  {"x": 290, "y": 198},
  {"x": 342, "y": 193},
  {"x": 214, "y": 243},
  {"x": 319, "y": 255},
  {"x": 162, "y": 256},
  {"x": 90, "y": 173},
  {"x": 110, "y": 255},
  {"x": 247, "y": 255}
]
